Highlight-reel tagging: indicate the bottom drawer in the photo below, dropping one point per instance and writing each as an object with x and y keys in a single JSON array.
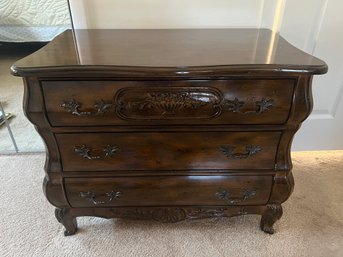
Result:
[{"x": 168, "y": 190}]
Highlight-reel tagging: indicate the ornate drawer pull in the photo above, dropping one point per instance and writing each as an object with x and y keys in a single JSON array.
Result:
[
  {"x": 223, "y": 194},
  {"x": 91, "y": 196},
  {"x": 235, "y": 106},
  {"x": 228, "y": 151},
  {"x": 84, "y": 151},
  {"x": 74, "y": 106}
]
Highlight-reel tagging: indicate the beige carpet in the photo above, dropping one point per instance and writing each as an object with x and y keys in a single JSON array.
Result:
[{"x": 312, "y": 224}]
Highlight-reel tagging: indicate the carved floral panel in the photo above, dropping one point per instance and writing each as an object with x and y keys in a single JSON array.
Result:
[{"x": 168, "y": 103}]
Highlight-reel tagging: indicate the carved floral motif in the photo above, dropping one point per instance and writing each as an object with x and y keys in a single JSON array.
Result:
[
  {"x": 168, "y": 103},
  {"x": 176, "y": 214},
  {"x": 229, "y": 151}
]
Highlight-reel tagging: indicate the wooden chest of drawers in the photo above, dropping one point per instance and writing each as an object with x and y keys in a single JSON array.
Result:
[{"x": 168, "y": 124}]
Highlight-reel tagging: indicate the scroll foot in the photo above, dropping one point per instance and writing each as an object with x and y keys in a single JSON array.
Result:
[
  {"x": 270, "y": 216},
  {"x": 69, "y": 222}
]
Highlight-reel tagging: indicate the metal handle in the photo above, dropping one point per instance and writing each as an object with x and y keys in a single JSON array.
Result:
[
  {"x": 250, "y": 150},
  {"x": 74, "y": 106},
  {"x": 84, "y": 151},
  {"x": 260, "y": 106},
  {"x": 223, "y": 194},
  {"x": 91, "y": 196}
]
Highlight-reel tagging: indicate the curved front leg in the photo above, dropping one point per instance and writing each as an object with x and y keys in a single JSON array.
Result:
[
  {"x": 270, "y": 216},
  {"x": 69, "y": 222}
]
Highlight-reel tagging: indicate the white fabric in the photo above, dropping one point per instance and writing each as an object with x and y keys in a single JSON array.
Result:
[
  {"x": 30, "y": 34},
  {"x": 32, "y": 20}
]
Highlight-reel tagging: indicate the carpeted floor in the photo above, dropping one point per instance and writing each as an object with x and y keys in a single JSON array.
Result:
[{"x": 312, "y": 224}]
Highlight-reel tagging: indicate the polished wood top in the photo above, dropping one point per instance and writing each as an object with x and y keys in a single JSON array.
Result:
[{"x": 174, "y": 51}]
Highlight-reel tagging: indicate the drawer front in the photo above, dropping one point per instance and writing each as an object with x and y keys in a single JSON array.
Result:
[
  {"x": 168, "y": 190},
  {"x": 168, "y": 151},
  {"x": 96, "y": 103}
]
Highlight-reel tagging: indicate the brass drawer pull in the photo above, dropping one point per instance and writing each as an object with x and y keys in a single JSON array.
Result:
[
  {"x": 74, "y": 106},
  {"x": 84, "y": 151},
  {"x": 260, "y": 106},
  {"x": 250, "y": 150},
  {"x": 223, "y": 194},
  {"x": 91, "y": 196}
]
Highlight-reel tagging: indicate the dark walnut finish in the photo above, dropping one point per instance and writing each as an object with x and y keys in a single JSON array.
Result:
[
  {"x": 165, "y": 151},
  {"x": 168, "y": 125},
  {"x": 80, "y": 103},
  {"x": 163, "y": 190}
]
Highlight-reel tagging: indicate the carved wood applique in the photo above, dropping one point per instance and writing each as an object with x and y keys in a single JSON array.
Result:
[
  {"x": 272, "y": 213},
  {"x": 167, "y": 103},
  {"x": 176, "y": 214},
  {"x": 229, "y": 151}
]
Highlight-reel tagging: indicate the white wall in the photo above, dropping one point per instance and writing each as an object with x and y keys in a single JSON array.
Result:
[{"x": 170, "y": 14}]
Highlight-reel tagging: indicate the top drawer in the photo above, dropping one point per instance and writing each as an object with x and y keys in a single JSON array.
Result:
[{"x": 98, "y": 103}]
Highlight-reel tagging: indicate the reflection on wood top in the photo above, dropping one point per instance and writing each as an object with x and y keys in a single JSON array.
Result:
[{"x": 173, "y": 50}]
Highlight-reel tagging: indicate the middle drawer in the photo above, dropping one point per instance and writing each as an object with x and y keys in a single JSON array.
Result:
[{"x": 169, "y": 151}]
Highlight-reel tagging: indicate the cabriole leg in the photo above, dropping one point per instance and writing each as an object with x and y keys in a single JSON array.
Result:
[
  {"x": 69, "y": 222},
  {"x": 270, "y": 216}
]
